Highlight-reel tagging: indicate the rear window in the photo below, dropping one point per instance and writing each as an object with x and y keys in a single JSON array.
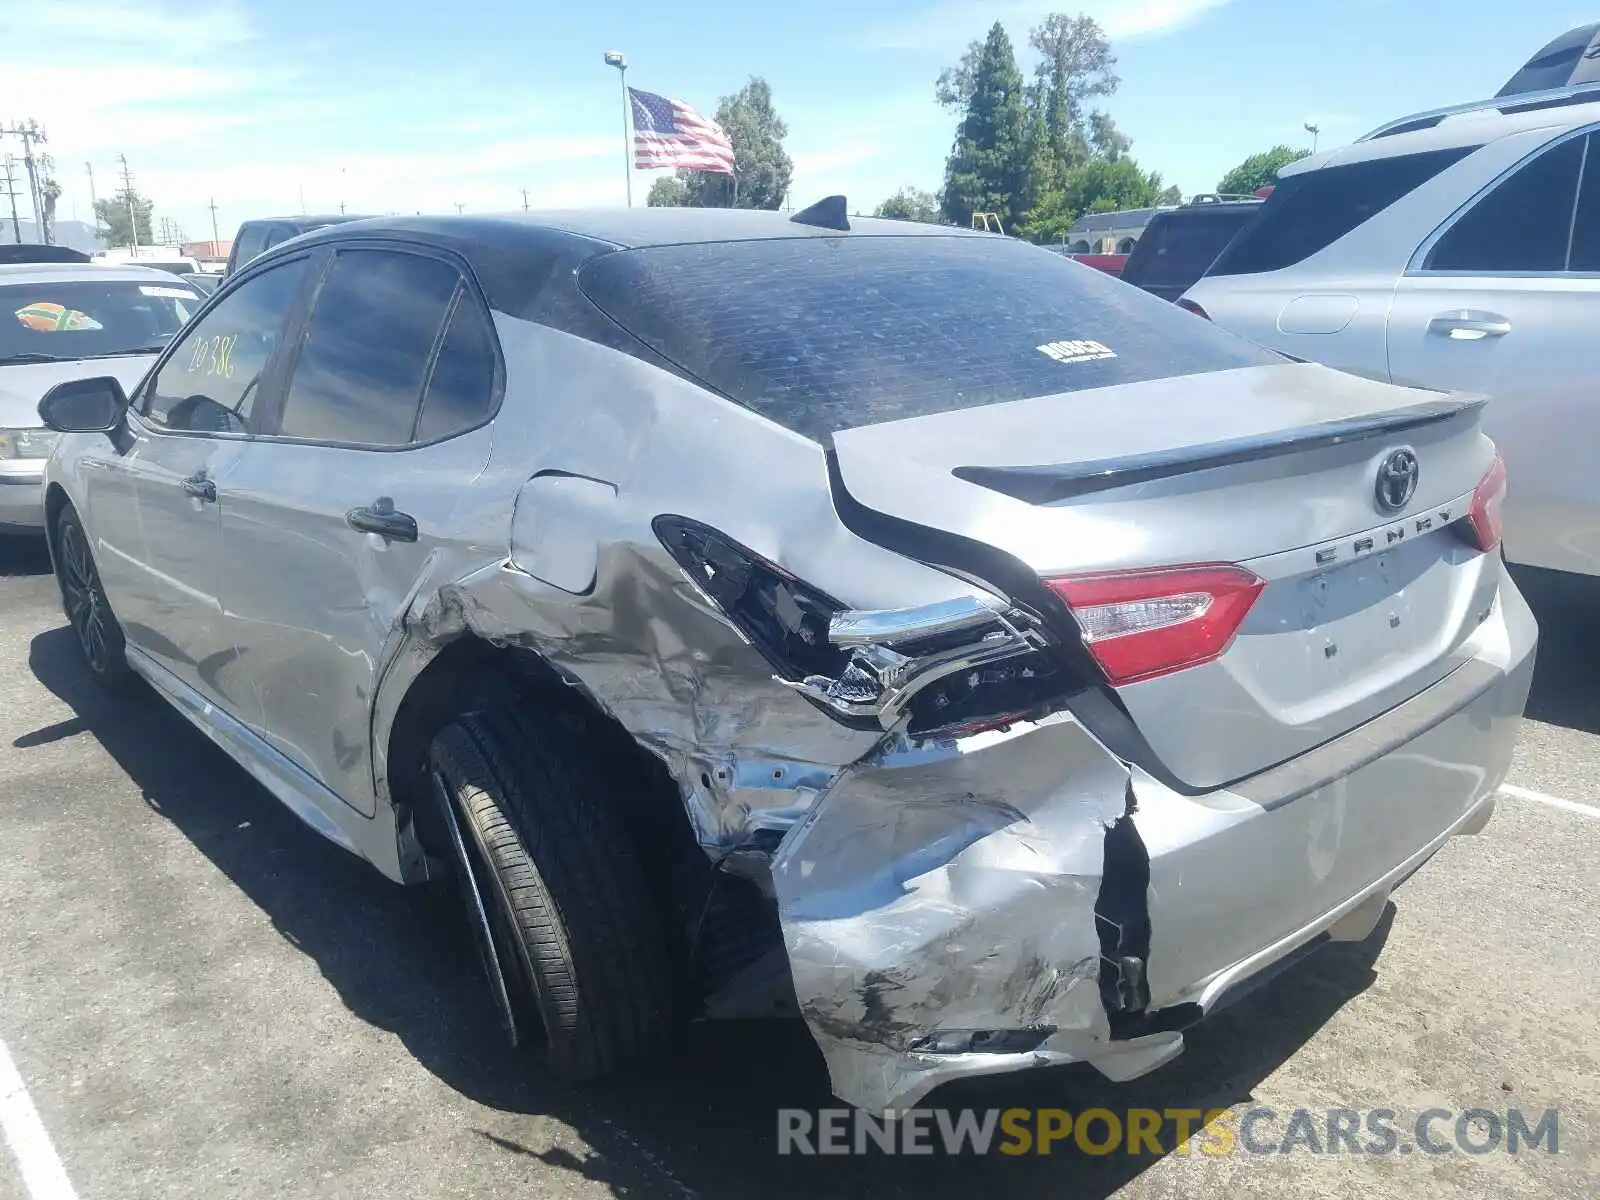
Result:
[
  {"x": 1309, "y": 212},
  {"x": 1176, "y": 250},
  {"x": 825, "y": 334}
]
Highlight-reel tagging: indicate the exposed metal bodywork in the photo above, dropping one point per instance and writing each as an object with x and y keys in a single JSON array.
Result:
[{"x": 965, "y": 902}]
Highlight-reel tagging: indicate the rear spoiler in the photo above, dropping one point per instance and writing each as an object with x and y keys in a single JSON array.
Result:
[{"x": 1048, "y": 484}]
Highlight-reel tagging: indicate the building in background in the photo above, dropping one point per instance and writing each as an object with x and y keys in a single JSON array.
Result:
[
  {"x": 212, "y": 256},
  {"x": 1108, "y": 232}
]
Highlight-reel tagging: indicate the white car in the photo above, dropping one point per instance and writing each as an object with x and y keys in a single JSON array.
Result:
[
  {"x": 61, "y": 321},
  {"x": 1458, "y": 248}
]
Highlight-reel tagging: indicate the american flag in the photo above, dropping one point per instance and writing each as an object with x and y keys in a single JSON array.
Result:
[{"x": 668, "y": 133}]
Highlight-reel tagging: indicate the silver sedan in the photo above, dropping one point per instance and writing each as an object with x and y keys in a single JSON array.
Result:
[{"x": 909, "y": 629}]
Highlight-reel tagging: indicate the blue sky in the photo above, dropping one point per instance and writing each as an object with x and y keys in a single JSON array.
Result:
[{"x": 406, "y": 105}]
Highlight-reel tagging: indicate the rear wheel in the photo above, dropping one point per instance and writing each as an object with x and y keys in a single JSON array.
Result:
[
  {"x": 575, "y": 951},
  {"x": 89, "y": 612}
]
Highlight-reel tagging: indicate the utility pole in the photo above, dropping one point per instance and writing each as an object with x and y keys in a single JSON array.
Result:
[
  {"x": 11, "y": 193},
  {"x": 215, "y": 236},
  {"x": 459, "y": 207},
  {"x": 127, "y": 194},
  {"x": 524, "y": 199},
  {"x": 30, "y": 135},
  {"x": 94, "y": 203}
]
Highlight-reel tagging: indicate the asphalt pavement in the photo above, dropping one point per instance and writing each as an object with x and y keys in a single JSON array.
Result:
[{"x": 201, "y": 998}]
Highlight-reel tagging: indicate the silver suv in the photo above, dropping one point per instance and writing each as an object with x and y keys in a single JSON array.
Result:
[
  {"x": 1458, "y": 248},
  {"x": 904, "y": 627}
]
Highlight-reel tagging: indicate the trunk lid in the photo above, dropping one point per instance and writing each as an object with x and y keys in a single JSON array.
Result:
[{"x": 1273, "y": 468}]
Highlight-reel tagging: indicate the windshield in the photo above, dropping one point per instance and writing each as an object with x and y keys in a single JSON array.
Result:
[{"x": 43, "y": 322}]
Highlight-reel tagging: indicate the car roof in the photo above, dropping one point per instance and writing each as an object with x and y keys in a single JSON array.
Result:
[
  {"x": 1475, "y": 128},
  {"x": 305, "y": 222},
  {"x": 510, "y": 253},
  {"x": 630, "y": 228},
  {"x": 81, "y": 272}
]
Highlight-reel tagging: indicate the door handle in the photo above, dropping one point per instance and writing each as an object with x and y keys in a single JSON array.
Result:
[
  {"x": 200, "y": 488},
  {"x": 381, "y": 518},
  {"x": 1468, "y": 325}
]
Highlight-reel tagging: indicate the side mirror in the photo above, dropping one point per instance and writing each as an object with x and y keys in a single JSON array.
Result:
[{"x": 84, "y": 406}]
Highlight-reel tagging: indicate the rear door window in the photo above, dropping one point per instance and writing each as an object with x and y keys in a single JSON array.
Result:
[
  {"x": 1308, "y": 212},
  {"x": 461, "y": 387},
  {"x": 362, "y": 365},
  {"x": 1584, "y": 254},
  {"x": 1523, "y": 224},
  {"x": 821, "y": 334}
]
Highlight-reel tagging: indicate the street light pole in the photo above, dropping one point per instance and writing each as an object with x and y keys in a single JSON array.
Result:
[{"x": 619, "y": 60}]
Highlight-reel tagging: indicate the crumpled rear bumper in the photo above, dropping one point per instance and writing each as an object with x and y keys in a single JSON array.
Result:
[{"x": 958, "y": 909}]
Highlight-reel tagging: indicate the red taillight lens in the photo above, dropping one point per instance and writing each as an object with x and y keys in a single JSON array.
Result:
[
  {"x": 1191, "y": 306},
  {"x": 1488, "y": 501},
  {"x": 1141, "y": 624}
]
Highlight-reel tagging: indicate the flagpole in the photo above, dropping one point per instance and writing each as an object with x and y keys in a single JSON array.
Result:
[{"x": 615, "y": 58}]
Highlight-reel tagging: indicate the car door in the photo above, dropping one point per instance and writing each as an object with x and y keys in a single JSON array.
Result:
[
  {"x": 329, "y": 523},
  {"x": 1502, "y": 301},
  {"x": 190, "y": 420}
]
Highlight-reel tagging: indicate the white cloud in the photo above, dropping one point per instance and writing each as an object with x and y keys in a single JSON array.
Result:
[
  {"x": 251, "y": 130},
  {"x": 948, "y": 25}
]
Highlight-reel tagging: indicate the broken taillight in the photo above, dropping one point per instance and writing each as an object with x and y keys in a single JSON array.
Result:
[
  {"x": 1190, "y": 306},
  {"x": 1141, "y": 624},
  {"x": 950, "y": 668},
  {"x": 1485, "y": 523}
]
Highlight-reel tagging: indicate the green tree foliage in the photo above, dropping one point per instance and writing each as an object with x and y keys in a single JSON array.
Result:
[
  {"x": 762, "y": 169},
  {"x": 909, "y": 204},
  {"x": 1170, "y": 196},
  {"x": 669, "y": 191},
  {"x": 1099, "y": 185},
  {"x": 1039, "y": 154},
  {"x": 116, "y": 223},
  {"x": 1259, "y": 170},
  {"x": 1075, "y": 66},
  {"x": 987, "y": 170}
]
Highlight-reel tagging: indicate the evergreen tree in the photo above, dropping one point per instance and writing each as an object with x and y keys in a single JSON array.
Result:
[{"x": 987, "y": 170}]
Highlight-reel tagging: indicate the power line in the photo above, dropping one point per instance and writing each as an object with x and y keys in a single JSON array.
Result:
[
  {"x": 127, "y": 194},
  {"x": 30, "y": 135}
]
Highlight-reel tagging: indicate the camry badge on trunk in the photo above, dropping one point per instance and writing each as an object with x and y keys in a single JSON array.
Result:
[{"x": 1397, "y": 480}]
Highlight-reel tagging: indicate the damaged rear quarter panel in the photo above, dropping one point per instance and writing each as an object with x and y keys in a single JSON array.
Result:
[{"x": 590, "y": 447}]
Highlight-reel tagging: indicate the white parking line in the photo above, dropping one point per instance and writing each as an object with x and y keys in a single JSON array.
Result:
[
  {"x": 1522, "y": 793},
  {"x": 42, "y": 1172}
]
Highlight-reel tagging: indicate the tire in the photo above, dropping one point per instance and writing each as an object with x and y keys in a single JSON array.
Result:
[
  {"x": 571, "y": 906},
  {"x": 83, "y": 599}
]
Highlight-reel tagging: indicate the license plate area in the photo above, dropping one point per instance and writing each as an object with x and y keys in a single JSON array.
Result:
[{"x": 1369, "y": 612}]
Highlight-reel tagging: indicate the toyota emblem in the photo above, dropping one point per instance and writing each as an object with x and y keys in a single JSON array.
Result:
[{"x": 1397, "y": 480}]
